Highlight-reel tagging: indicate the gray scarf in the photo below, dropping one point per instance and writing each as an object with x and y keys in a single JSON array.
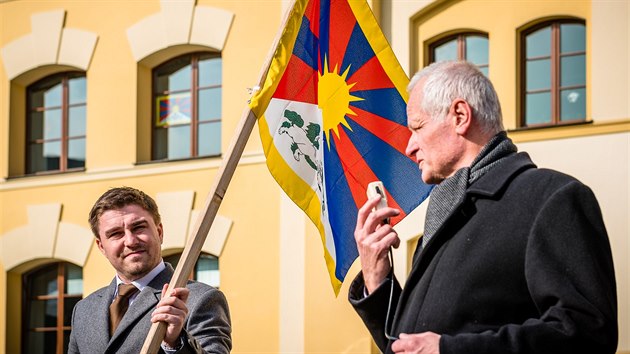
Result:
[{"x": 446, "y": 195}]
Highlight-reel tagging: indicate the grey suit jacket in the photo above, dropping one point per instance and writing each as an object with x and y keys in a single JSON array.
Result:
[{"x": 207, "y": 328}]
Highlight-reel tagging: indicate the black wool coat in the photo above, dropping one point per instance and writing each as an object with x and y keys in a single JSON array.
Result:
[{"x": 522, "y": 265}]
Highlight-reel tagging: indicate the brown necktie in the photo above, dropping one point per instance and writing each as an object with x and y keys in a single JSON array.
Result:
[{"x": 118, "y": 308}]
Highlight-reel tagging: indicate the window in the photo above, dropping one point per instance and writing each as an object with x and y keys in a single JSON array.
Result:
[
  {"x": 50, "y": 294},
  {"x": 206, "y": 269},
  {"x": 187, "y": 107},
  {"x": 553, "y": 74},
  {"x": 56, "y": 112},
  {"x": 472, "y": 47}
]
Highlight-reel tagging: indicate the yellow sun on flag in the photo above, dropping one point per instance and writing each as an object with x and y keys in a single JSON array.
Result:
[{"x": 333, "y": 99}]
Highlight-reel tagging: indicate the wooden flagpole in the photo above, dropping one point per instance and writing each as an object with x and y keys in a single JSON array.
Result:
[{"x": 213, "y": 200}]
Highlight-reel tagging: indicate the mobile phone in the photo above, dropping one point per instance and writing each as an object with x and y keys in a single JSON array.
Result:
[{"x": 376, "y": 188}]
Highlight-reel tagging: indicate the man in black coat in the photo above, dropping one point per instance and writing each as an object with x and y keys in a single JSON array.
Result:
[{"x": 513, "y": 259}]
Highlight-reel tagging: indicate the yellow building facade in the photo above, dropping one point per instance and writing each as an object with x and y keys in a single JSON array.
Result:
[{"x": 270, "y": 258}]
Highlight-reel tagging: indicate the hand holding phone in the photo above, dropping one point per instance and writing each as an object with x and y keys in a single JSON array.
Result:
[{"x": 376, "y": 188}]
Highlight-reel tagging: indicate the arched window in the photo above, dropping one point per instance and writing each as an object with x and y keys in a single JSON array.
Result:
[
  {"x": 472, "y": 47},
  {"x": 553, "y": 69},
  {"x": 55, "y": 129},
  {"x": 50, "y": 293},
  {"x": 206, "y": 269},
  {"x": 187, "y": 107}
]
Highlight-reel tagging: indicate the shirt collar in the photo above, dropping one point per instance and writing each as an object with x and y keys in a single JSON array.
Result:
[{"x": 145, "y": 280}]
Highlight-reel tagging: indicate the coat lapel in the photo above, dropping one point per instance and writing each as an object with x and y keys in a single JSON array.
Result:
[{"x": 488, "y": 186}]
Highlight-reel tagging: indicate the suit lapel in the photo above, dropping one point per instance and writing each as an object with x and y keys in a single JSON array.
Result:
[
  {"x": 146, "y": 301},
  {"x": 101, "y": 317}
]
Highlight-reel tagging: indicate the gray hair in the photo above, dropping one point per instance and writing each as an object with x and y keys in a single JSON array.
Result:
[{"x": 448, "y": 80}]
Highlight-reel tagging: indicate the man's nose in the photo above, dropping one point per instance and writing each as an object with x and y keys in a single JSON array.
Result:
[
  {"x": 130, "y": 238},
  {"x": 412, "y": 147}
]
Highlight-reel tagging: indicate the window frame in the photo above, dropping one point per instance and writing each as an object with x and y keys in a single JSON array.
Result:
[
  {"x": 194, "y": 90},
  {"x": 460, "y": 37},
  {"x": 555, "y": 87},
  {"x": 28, "y": 297},
  {"x": 65, "y": 107}
]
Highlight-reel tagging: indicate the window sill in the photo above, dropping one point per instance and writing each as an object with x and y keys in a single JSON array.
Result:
[
  {"x": 568, "y": 130},
  {"x": 550, "y": 126},
  {"x": 197, "y": 158},
  {"x": 47, "y": 173}
]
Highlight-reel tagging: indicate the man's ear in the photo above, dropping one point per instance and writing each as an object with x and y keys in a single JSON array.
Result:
[
  {"x": 462, "y": 115},
  {"x": 160, "y": 231},
  {"x": 100, "y": 245}
]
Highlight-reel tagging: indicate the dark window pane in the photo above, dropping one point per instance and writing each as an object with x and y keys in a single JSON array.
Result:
[
  {"x": 174, "y": 109},
  {"x": 209, "y": 104},
  {"x": 52, "y": 124},
  {"x": 68, "y": 306},
  {"x": 538, "y": 74},
  {"x": 43, "y": 313},
  {"x": 74, "y": 279},
  {"x": 76, "y": 121},
  {"x": 477, "y": 50},
  {"x": 210, "y": 72},
  {"x": 66, "y": 340},
  {"x": 160, "y": 137},
  {"x": 446, "y": 51},
  {"x": 37, "y": 99},
  {"x": 539, "y": 43},
  {"x": 44, "y": 282},
  {"x": 77, "y": 90},
  {"x": 36, "y": 126},
  {"x": 40, "y": 343},
  {"x": 572, "y": 104},
  {"x": 573, "y": 70},
  {"x": 210, "y": 139},
  {"x": 538, "y": 108},
  {"x": 52, "y": 96},
  {"x": 76, "y": 153},
  {"x": 44, "y": 157},
  {"x": 572, "y": 38},
  {"x": 179, "y": 142}
]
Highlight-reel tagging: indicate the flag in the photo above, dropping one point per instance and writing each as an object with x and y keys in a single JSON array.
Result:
[{"x": 332, "y": 118}]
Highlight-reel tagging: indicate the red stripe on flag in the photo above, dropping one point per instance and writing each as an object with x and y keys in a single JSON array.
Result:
[
  {"x": 358, "y": 173},
  {"x": 370, "y": 76},
  {"x": 312, "y": 13},
  {"x": 342, "y": 22},
  {"x": 298, "y": 83},
  {"x": 390, "y": 132}
]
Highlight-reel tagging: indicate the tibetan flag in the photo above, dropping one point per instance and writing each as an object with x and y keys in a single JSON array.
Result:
[{"x": 332, "y": 118}]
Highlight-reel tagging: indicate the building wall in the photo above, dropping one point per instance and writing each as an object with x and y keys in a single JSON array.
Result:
[
  {"x": 272, "y": 268},
  {"x": 271, "y": 261}
]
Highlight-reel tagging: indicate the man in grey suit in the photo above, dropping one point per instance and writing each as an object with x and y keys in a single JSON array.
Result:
[{"x": 128, "y": 231}]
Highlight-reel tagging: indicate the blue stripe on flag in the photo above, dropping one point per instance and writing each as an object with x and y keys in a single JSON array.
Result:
[
  {"x": 306, "y": 44},
  {"x": 324, "y": 31},
  {"x": 358, "y": 51},
  {"x": 385, "y": 103},
  {"x": 341, "y": 211},
  {"x": 400, "y": 175}
]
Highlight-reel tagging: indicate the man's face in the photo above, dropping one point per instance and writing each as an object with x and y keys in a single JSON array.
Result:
[
  {"x": 130, "y": 240},
  {"x": 432, "y": 144}
]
